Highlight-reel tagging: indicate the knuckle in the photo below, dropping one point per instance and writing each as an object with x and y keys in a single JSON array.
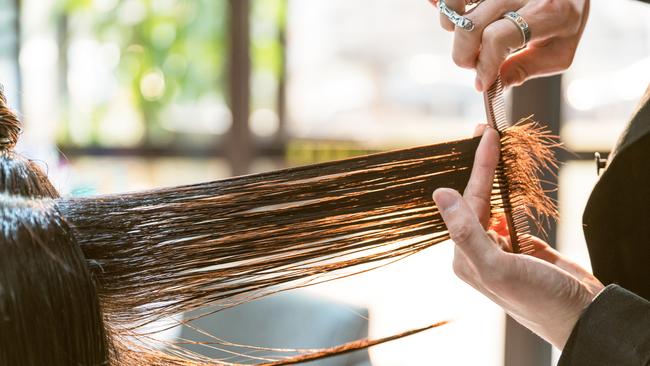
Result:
[
  {"x": 572, "y": 11},
  {"x": 567, "y": 12},
  {"x": 490, "y": 36},
  {"x": 460, "y": 233},
  {"x": 463, "y": 60},
  {"x": 552, "y": 7},
  {"x": 571, "y": 16}
]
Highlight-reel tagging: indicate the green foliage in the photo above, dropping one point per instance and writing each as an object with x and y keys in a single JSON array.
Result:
[
  {"x": 175, "y": 51},
  {"x": 170, "y": 50}
]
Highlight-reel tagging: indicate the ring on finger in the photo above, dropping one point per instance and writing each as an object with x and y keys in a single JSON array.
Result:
[
  {"x": 458, "y": 20},
  {"x": 521, "y": 23}
]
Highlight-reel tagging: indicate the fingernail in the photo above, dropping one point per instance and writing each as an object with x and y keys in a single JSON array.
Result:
[
  {"x": 446, "y": 199},
  {"x": 478, "y": 84}
]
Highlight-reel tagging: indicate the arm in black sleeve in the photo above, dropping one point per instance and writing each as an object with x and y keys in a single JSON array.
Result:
[{"x": 613, "y": 330}]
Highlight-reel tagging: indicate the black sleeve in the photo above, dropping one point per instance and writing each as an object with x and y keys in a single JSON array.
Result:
[{"x": 613, "y": 330}]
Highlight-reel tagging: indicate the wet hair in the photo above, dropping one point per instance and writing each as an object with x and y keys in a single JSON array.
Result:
[
  {"x": 49, "y": 308},
  {"x": 48, "y": 299},
  {"x": 81, "y": 276}
]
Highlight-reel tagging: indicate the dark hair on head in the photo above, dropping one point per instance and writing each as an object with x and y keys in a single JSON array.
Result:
[
  {"x": 23, "y": 177},
  {"x": 49, "y": 309}
]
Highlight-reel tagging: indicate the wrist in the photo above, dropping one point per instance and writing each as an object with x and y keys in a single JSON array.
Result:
[{"x": 586, "y": 298}]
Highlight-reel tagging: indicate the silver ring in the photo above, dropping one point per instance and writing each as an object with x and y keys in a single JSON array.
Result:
[
  {"x": 519, "y": 21},
  {"x": 458, "y": 20}
]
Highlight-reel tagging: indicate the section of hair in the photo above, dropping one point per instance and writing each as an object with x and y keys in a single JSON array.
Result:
[
  {"x": 139, "y": 355},
  {"x": 49, "y": 309},
  {"x": 159, "y": 252},
  {"x": 229, "y": 241},
  {"x": 526, "y": 154}
]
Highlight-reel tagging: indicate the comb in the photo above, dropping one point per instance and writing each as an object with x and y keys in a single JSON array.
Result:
[{"x": 513, "y": 207}]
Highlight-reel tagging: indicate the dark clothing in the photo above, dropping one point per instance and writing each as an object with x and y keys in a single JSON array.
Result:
[
  {"x": 614, "y": 330},
  {"x": 616, "y": 220}
]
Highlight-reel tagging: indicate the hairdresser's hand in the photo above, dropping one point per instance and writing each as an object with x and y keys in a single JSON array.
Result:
[
  {"x": 556, "y": 27},
  {"x": 545, "y": 291}
]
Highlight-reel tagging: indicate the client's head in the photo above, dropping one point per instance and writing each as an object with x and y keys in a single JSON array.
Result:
[{"x": 49, "y": 309}]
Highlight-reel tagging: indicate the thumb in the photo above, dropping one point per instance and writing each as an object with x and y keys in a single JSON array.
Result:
[
  {"x": 463, "y": 225},
  {"x": 533, "y": 62}
]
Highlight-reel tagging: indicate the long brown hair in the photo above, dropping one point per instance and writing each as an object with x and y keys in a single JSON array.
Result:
[{"x": 154, "y": 254}]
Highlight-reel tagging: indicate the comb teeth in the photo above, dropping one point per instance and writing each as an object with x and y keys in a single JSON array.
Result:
[
  {"x": 513, "y": 207},
  {"x": 495, "y": 106}
]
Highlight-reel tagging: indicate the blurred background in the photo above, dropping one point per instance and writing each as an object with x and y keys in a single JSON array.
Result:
[{"x": 121, "y": 95}]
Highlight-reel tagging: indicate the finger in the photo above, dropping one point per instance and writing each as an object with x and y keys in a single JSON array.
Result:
[
  {"x": 538, "y": 60},
  {"x": 545, "y": 19},
  {"x": 548, "y": 19},
  {"x": 498, "y": 40},
  {"x": 546, "y": 253},
  {"x": 467, "y": 44},
  {"x": 464, "y": 228},
  {"x": 456, "y": 5},
  {"x": 479, "y": 188},
  {"x": 479, "y": 129}
]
